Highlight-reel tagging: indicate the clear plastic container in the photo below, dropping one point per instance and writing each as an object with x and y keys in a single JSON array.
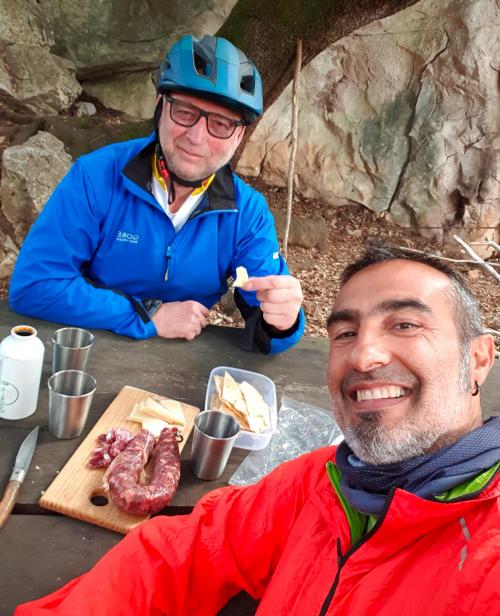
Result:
[{"x": 264, "y": 385}]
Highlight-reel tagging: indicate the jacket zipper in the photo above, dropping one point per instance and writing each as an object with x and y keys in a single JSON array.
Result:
[
  {"x": 341, "y": 560},
  {"x": 167, "y": 259},
  {"x": 168, "y": 254}
]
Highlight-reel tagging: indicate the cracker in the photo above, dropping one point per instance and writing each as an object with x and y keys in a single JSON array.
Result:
[
  {"x": 241, "y": 400},
  {"x": 216, "y": 404},
  {"x": 255, "y": 403},
  {"x": 232, "y": 395},
  {"x": 219, "y": 383}
]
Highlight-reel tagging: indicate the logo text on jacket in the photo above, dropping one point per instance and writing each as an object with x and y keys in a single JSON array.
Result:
[{"x": 123, "y": 236}]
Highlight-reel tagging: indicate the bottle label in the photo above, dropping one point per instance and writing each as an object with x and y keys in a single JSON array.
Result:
[{"x": 9, "y": 393}]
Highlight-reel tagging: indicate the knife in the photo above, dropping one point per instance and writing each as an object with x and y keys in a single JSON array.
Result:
[{"x": 21, "y": 466}]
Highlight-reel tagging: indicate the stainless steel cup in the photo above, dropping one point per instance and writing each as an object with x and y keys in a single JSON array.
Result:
[
  {"x": 70, "y": 397},
  {"x": 213, "y": 438},
  {"x": 71, "y": 348}
]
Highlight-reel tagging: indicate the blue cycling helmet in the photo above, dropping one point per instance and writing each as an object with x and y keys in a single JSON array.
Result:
[{"x": 213, "y": 68}]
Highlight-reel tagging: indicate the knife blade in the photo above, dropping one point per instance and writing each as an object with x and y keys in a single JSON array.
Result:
[{"x": 21, "y": 466}]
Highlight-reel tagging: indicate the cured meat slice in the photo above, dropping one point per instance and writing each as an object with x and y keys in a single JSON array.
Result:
[
  {"x": 123, "y": 478},
  {"x": 110, "y": 445}
]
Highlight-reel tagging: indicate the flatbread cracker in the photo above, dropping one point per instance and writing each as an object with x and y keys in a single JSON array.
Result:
[
  {"x": 232, "y": 395},
  {"x": 219, "y": 383},
  {"x": 258, "y": 410},
  {"x": 241, "y": 400},
  {"x": 216, "y": 404}
]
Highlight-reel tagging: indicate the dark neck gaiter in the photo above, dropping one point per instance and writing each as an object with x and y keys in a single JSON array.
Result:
[{"x": 366, "y": 486}]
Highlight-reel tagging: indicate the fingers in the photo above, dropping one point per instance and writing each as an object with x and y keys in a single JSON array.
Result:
[
  {"x": 181, "y": 319},
  {"x": 196, "y": 321},
  {"x": 264, "y": 283},
  {"x": 272, "y": 308},
  {"x": 280, "y": 296},
  {"x": 280, "y": 299},
  {"x": 192, "y": 331},
  {"x": 203, "y": 310},
  {"x": 195, "y": 308}
]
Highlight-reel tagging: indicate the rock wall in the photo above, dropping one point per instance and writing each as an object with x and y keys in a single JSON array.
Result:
[
  {"x": 50, "y": 50},
  {"x": 116, "y": 46},
  {"x": 23, "y": 193},
  {"x": 402, "y": 117},
  {"x": 32, "y": 78}
]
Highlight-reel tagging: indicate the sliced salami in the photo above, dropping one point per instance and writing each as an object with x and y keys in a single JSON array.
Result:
[{"x": 110, "y": 445}]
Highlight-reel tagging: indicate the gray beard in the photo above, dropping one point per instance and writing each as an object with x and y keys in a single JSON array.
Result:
[{"x": 376, "y": 445}]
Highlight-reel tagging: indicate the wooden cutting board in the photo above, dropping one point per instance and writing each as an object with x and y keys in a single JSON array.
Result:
[{"x": 76, "y": 486}]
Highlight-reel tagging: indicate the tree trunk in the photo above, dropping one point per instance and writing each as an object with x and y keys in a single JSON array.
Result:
[{"x": 267, "y": 32}]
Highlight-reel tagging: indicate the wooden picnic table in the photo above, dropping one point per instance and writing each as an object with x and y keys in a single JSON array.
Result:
[{"x": 41, "y": 550}]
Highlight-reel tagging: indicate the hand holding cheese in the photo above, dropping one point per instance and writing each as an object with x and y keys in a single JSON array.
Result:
[
  {"x": 280, "y": 299},
  {"x": 242, "y": 401}
]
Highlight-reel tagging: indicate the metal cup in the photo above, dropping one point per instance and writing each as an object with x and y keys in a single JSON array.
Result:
[
  {"x": 213, "y": 438},
  {"x": 70, "y": 397},
  {"x": 71, "y": 348}
]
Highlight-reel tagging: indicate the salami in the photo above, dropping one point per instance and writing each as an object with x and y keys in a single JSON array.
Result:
[
  {"x": 110, "y": 445},
  {"x": 123, "y": 478}
]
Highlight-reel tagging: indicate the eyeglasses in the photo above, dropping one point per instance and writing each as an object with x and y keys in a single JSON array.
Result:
[{"x": 185, "y": 114}]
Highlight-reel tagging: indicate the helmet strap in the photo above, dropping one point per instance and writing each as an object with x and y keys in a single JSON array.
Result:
[{"x": 169, "y": 177}]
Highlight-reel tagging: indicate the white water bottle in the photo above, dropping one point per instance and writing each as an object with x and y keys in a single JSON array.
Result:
[{"x": 21, "y": 360}]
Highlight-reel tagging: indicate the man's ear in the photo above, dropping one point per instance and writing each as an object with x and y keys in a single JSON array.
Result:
[{"x": 482, "y": 358}]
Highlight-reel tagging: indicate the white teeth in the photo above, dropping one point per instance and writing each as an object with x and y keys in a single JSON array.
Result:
[{"x": 379, "y": 392}]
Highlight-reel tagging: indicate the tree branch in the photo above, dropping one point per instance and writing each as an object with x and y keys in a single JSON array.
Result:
[
  {"x": 477, "y": 258},
  {"x": 293, "y": 152},
  {"x": 465, "y": 261}
]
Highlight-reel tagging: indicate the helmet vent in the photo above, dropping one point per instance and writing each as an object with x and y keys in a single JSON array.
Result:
[
  {"x": 247, "y": 83},
  {"x": 200, "y": 65}
]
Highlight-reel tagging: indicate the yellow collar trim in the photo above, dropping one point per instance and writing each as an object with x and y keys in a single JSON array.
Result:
[{"x": 161, "y": 179}]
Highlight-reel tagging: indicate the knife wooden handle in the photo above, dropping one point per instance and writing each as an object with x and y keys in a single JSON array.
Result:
[{"x": 9, "y": 499}]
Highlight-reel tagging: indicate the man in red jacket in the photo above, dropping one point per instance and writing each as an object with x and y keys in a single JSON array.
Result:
[{"x": 405, "y": 517}]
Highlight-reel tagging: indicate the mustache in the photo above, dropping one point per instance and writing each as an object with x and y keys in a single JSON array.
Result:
[{"x": 385, "y": 373}]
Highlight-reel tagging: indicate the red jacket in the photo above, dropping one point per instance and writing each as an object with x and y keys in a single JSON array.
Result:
[{"x": 286, "y": 540}]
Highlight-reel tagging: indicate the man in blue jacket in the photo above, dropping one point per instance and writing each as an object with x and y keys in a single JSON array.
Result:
[{"x": 140, "y": 237}]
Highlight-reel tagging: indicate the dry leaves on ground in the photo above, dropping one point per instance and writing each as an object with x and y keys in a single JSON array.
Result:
[{"x": 349, "y": 230}]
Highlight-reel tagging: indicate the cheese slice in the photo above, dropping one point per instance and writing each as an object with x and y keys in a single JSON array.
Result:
[
  {"x": 155, "y": 426},
  {"x": 241, "y": 276},
  {"x": 138, "y": 417},
  {"x": 169, "y": 411},
  {"x": 174, "y": 413}
]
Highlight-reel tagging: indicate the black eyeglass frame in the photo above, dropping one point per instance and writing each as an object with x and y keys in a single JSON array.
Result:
[{"x": 202, "y": 114}]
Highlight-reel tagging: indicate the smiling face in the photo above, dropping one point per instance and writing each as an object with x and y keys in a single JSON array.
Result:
[
  {"x": 191, "y": 152},
  {"x": 394, "y": 369}
]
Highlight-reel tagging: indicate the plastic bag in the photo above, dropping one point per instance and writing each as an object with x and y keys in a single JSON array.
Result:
[{"x": 301, "y": 428}]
